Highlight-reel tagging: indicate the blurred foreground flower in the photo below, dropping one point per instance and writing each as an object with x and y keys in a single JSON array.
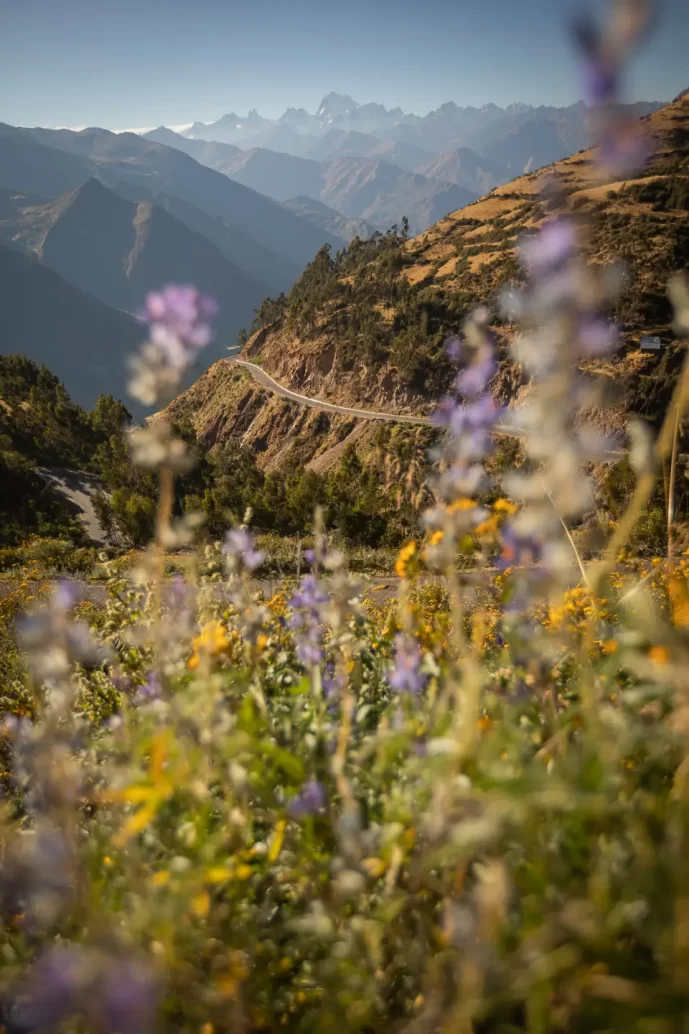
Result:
[
  {"x": 406, "y": 675},
  {"x": 240, "y": 550},
  {"x": 623, "y": 148},
  {"x": 54, "y": 643},
  {"x": 179, "y": 320},
  {"x": 309, "y": 801},
  {"x": 116, "y": 994}
]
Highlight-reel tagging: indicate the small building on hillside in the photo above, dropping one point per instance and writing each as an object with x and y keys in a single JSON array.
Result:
[{"x": 650, "y": 344}]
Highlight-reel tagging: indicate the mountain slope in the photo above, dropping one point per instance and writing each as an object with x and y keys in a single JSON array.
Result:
[
  {"x": 328, "y": 219},
  {"x": 280, "y": 176},
  {"x": 118, "y": 251},
  {"x": 84, "y": 342},
  {"x": 160, "y": 169},
  {"x": 29, "y": 166},
  {"x": 465, "y": 168},
  {"x": 260, "y": 263},
  {"x": 383, "y": 194},
  {"x": 208, "y": 152},
  {"x": 367, "y": 188},
  {"x": 368, "y": 329}
]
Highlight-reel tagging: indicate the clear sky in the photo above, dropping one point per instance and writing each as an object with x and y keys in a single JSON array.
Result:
[{"x": 140, "y": 63}]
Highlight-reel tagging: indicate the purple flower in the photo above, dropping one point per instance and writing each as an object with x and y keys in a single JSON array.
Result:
[
  {"x": 518, "y": 550},
  {"x": 454, "y": 348},
  {"x": 128, "y": 997},
  {"x": 178, "y": 317},
  {"x": 309, "y": 594},
  {"x": 151, "y": 688},
  {"x": 239, "y": 544},
  {"x": 597, "y": 336},
  {"x": 115, "y": 995},
  {"x": 65, "y": 595},
  {"x": 52, "y": 990},
  {"x": 473, "y": 381},
  {"x": 406, "y": 675},
  {"x": 311, "y": 799},
  {"x": 550, "y": 249},
  {"x": 308, "y": 646}
]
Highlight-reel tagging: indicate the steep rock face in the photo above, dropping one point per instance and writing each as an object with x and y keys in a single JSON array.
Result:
[{"x": 464, "y": 259}]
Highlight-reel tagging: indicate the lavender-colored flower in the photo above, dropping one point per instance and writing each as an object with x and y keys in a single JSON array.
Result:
[
  {"x": 604, "y": 50},
  {"x": 178, "y": 316},
  {"x": 518, "y": 549},
  {"x": 310, "y": 800},
  {"x": 151, "y": 688},
  {"x": 239, "y": 546},
  {"x": 597, "y": 336},
  {"x": 309, "y": 594},
  {"x": 308, "y": 646},
  {"x": 54, "y": 643},
  {"x": 128, "y": 994},
  {"x": 473, "y": 381},
  {"x": 406, "y": 675},
  {"x": 550, "y": 249},
  {"x": 53, "y": 989}
]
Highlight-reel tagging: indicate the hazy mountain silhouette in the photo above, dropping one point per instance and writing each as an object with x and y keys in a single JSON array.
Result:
[
  {"x": 118, "y": 250},
  {"x": 84, "y": 342},
  {"x": 465, "y": 168},
  {"x": 328, "y": 219},
  {"x": 156, "y": 168}
]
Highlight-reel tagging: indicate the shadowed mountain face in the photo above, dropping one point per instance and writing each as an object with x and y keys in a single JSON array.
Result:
[
  {"x": 49, "y": 162},
  {"x": 118, "y": 251},
  {"x": 84, "y": 342},
  {"x": 208, "y": 152},
  {"x": 328, "y": 219},
  {"x": 263, "y": 265},
  {"x": 280, "y": 176}
]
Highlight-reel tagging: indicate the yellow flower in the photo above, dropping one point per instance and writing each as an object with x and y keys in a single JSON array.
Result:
[
  {"x": 403, "y": 560},
  {"x": 505, "y": 506},
  {"x": 436, "y": 538},
  {"x": 658, "y": 655},
  {"x": 211, "y": 641},
  {"x": 462, "y": 504},
  {"x": 610, "y": 646}
]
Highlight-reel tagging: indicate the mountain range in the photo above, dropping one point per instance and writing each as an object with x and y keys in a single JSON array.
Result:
[
  {"x": 50, "y": 162},
  {"x": 343, "y": 128},
  {"x": 367, "y": 330},
  {"x": 91, "y": 220},
  {"x": 362, "y": 188}
]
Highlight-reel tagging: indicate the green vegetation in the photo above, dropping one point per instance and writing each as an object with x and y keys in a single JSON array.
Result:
[
  {"x": 377, "y": 315},
  {"x": 40, "y": 425}
]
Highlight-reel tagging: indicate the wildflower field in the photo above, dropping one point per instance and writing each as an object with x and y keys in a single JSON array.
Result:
[{"x": 457, "y": 805}]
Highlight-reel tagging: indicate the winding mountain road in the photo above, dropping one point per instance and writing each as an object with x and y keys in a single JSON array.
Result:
[
  {"x": 363, "y": 414},
  {"x": 263, "y": 378}
]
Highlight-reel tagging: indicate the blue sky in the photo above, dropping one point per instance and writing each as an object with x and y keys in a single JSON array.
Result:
[{"x": 140, "y": 63}]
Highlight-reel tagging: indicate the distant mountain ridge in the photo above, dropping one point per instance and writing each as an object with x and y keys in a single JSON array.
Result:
[
  {"x": 370, "y": 188},
  {"x": 52, "y": 162},
  {"x": 447, "y": 127}
]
